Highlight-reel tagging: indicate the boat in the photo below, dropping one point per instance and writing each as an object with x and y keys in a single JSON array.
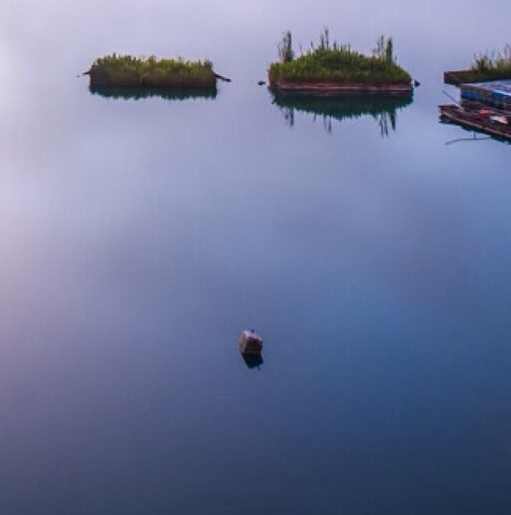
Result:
[
  {"x": 496, "y": 94},
  {"x": 250, "y": 342},
  {"x": 489, "y": 121}
]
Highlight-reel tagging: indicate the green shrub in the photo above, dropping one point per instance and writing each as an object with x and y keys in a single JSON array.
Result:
[{"x": 126, "y": 70}]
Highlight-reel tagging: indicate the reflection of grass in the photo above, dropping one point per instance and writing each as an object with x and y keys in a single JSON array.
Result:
[
  {"x": 382, "y": 108},
  {"x": 125, "y": 70},
  {"x": 119, "y": 92},
  {"x": 338, "y": 64}
]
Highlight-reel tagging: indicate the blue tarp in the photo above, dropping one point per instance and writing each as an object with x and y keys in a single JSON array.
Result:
[{"x": 496, "y": 93}]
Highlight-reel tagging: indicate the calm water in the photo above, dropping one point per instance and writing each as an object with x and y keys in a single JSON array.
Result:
[{"x": 139, "y": 237}]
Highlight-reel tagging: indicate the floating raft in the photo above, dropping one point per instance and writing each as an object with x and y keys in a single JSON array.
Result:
[
  {"x": 496, "y": 125},
  {"x": 456, "y": 78},
  {"x": 336, "y": 88},
  {"x": 250, "y": 343}
]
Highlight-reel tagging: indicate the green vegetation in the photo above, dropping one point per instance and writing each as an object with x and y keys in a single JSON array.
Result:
[
  {"x": 125, "y": 70},
  {"x": 286, "y": 53},
  {"x": 485, "y": 67},
  {"x": 333, "y": 63},
  {"x": 494, "y": 63}
]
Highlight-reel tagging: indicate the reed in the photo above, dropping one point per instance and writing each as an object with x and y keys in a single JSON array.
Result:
[
  {"x": 149, "y": 72},
  {"x": 495, "y": 62}
]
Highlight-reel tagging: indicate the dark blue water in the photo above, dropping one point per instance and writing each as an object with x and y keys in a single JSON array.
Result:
[{"x": 140, "y": 237}]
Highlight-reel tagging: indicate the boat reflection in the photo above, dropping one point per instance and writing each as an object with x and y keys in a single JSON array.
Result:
[
  {"x": 252, "y": 360},
  {"x": 383, "y": 108},
  {"x": 130, "y": 93}
]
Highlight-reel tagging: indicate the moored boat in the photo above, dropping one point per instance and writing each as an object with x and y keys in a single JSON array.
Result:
[
  {"x": 250, "y": 342},
  {"x": 495, "y": 123}
]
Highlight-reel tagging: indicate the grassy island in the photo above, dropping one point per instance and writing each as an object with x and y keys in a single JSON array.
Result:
[
  {"x": 127, "y": 71},
  {"x": 332, "y": 68},
  {"x": 485, "y": 67}
]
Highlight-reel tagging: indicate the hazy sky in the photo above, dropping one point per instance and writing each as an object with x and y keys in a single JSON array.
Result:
[{"x": 236, "y": 33}]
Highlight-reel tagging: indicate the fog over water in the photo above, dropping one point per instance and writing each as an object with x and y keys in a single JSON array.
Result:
[{"x": 139, "y": 238}]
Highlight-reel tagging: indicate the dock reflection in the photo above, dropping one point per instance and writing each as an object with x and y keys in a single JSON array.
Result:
[{"x": 383, "y": 108}]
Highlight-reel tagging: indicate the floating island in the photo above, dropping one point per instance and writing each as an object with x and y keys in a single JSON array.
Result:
[
  {"x": 333, "y": 69},
  {"x": 149, "y": 72}
]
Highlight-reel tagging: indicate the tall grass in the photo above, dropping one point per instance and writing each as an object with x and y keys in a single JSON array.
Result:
[
  {"x": 495, "y": 65},
  {"x": 331, "y": 62},
  {"x": 126, "y": 70},
  {"x": 494, "y": 62},
  {"x": 285, "y": 48}
]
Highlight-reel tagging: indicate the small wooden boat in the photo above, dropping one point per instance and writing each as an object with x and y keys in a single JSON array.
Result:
[
  {"x": 496, "y": 124},
  {"x": 250, "y": 342}
]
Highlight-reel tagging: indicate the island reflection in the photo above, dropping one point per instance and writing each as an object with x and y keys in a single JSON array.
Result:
[
  {"x": 382, "y": 108},
  {"x": 132, "y": 93}
]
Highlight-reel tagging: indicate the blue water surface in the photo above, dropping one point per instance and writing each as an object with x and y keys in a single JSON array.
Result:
[{"x": 139, "y": 237}]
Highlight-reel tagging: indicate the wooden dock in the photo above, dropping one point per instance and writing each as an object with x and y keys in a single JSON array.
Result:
[{"x": 458, "y": 77}]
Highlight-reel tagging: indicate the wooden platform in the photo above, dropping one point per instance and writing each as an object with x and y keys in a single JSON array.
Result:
[
  {"x": 333, "y": 88},
  {"x": 475, "y": 121},
  {"x": 458, "y": 77}
]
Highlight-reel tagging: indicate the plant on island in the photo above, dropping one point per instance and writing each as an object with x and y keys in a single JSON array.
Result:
[
  {"x": 495, "y": 65},
  {"x": 329, "y": 62},
  {"x": 149, "y": 72}
]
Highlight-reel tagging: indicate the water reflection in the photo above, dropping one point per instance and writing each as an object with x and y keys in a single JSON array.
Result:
[
  {"x": 382, "y": 108},
  {"x": 129, "y": 93},
  {"x": 475, "y": 137},
  {"x": 252, "y": 360}
]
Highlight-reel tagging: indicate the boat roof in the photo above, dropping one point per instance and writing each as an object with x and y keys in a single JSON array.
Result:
[
  {"x": 250, "y": 333},
  {"x": 503, "y": 87}
]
